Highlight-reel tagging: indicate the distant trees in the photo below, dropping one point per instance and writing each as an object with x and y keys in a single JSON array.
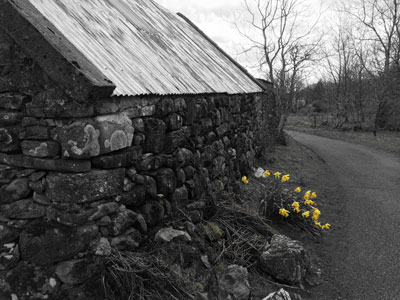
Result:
[
  {"x": 362, "y": 78},
  {"x": 282, "y": 43}
]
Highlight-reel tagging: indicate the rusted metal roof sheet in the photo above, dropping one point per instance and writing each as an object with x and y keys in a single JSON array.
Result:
[{"x": 144, "y": 49}]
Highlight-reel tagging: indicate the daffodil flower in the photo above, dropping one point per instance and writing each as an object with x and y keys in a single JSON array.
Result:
[
  {"x": 267, "y": 173},
  {"x": 313, "y": 195},
  {"x": 326, "y": 226},
  {"x": 285, "y": 178},
  {"x": 306, "y": 197},
  {"x": 318, "y": 224},
  {"x": 296, "y": 206},
  {"x": 308, "y": 192},
  {"x": 297, "y": 190},
  {"x": 316, "y": 214},
  {"x": 277, "y": 174},
  {"x": 284, "y": 212},
  {"x": 306, "y": 214},
  {"x": 245, "y": 180}
]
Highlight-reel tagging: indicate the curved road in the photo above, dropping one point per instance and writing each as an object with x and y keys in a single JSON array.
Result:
[{"x": 370, "y": 266}]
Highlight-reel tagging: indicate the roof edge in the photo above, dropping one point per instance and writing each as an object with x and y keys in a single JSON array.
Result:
[
  {"x": 221, "y": 50},
  {"x": 47, "y": 46}
]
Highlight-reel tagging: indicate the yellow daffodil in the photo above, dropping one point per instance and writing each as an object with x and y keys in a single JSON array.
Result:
[
  {"x": 310, "y": 202},
  {"x": 267, "y": 173},
  {"x": 285, "y": 178},
  {"x": 306, "y": 214},
  {"x": 313, "y": 195},
  {"x": 245, "y": 180},
  {"x": 296, "y": 206},
  {"x": 277, "y": 174},
  {"x": 326, "y": 226},
  {"x": 318, "y": 224},
  {"x": 284, "y": 212},
  {"x": 297, "y": 190},
  {"x": 306, "y": 197},
  {"x": 316, "y": 214}
]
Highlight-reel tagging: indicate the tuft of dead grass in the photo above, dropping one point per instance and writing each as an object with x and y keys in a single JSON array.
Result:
[{"x": 141, "y": 276}]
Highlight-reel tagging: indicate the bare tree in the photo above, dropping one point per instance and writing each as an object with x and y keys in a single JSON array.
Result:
[
  {"x": 282, "y": 43},
  {"x": 379, "y": 22}
]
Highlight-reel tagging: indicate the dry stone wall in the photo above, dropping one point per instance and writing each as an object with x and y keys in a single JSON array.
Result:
[{"x": 80, "y": 178}]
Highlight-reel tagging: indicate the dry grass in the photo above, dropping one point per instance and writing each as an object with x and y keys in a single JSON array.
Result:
[{"x": 142, "y": 276}]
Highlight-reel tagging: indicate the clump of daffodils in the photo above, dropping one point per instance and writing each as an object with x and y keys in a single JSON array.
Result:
[{"x": 285, "y": 201}]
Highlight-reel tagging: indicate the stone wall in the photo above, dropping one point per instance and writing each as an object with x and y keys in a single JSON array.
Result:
[{"x": 79, "y": 178}]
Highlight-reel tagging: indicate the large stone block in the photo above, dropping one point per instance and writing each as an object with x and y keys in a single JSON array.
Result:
[
  {"x": 23, "y": 209},
  {"x": 10, "y": 117},
  {"x": 93, "y": 137},
  {"x": 16, "y": 190},
  {"x": 85, "y": 187},
  {"x": 40, "y": 148},
  {"x": 285, "y": 259},
  {"x": 53, "y": 103},
  {"x": 44, "y": 243},
  {"x": 59, "y": 165}
]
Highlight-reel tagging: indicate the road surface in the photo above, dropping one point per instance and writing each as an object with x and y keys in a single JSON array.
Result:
[{"x": 369, "y": 268}]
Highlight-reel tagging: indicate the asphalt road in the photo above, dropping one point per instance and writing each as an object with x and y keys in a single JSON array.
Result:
[{"x": 369, "y": 267}]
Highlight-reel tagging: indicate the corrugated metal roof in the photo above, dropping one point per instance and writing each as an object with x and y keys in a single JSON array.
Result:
[{"x": 144, "y": 49}]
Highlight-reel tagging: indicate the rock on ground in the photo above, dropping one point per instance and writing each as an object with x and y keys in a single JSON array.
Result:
[
  {"x": 231, "y": 284},
  {"x": 285, "y": 259}
]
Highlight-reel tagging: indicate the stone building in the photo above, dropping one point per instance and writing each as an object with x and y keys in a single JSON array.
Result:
[{"x": 112, "y": 113}]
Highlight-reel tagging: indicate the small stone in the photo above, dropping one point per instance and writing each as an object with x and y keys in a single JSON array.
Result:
[
  {"x": 279, "y": 295},
  {"x": 8, "y": 234},
  {"x": 155, "y": 135},
  {"x": 135, "y": 197},
  {"x": 153, "y": 212},
  {"x": 212, "y": 231},
  {"x": 37, "y": 176},
  {"x": 111, "y": 161},
  {"x": 138, "y": 139},
  {"x": 174, "y": 122},
  {"x": 77, "y": 271},
  {"x": 189, "y": 172},
  {"x": 103, "y": 247},
  {"x": 138, "y": 124},
  {"x": 40, "y": 148},
  {"x": 195, "y": 216},
  {"x": 168, "y": 234},
  {"x": 174, "y": 140},
  {"x": 104, "y": 210},
  {"x": 180, "y": 177},
  {"x": 40, "y": 198},
  {"x": 121, "y": 221},
  {"x": 233, "y": 283},
  {"x": 38, "y": 186},
  {"x": 16, "y": 190},
  {"x": 9, "y": 138},
  {"x": 184, "y": 157},
  {"x": 129, "y": 241},
  {"x": 131, "y": 173},
  {"x": 146, "y": 162},
  {"x": 151, "y": 186},
  {"x": 12, "y": 100},
  {"x": 104, "y": 221},
  {"x": 9, "y": 260}
]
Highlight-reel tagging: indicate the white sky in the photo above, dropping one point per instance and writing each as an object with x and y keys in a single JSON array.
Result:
[{"x": 214, "y": 17}]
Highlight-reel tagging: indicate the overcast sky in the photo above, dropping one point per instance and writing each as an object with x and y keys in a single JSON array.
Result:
[{"x": 214, "y": 17}]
